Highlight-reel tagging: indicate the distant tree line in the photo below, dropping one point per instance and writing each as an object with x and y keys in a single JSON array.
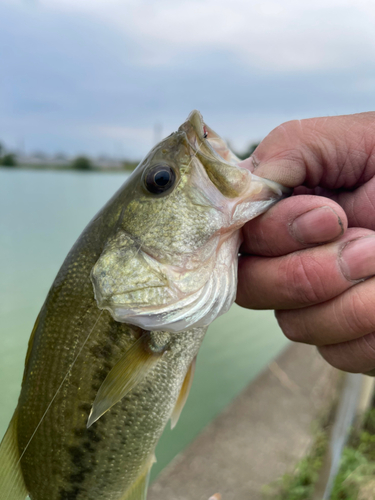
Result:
[
  {"x": 85, "y": 164},
  {"x": 82, "y": 163},
  {"x": 248, "y": 151},
  {"x": 7, "y": 159}
]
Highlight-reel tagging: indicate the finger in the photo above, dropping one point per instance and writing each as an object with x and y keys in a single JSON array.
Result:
[
  {"x": 344, "y": 318},
  {"x": 356, "y": 356},
  {"x": 307, "y": 277},
  {"x": 331, "y": 152},
  {"x": 358, "y": 204},
  {"x": 293, "y": 224}
]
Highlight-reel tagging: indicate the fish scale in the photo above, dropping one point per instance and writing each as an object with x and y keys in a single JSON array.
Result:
[
  {"x": 107, "y": 458},
  {"x": 111, "y": 357}
]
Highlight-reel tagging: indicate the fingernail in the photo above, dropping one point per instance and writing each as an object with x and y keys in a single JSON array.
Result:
[
  {"x": 317, "y": 226},
  {"x": 357, "y": 258}
]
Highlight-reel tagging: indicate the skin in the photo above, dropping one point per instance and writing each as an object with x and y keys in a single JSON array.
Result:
[
  {"x": 65, "y": 460},
  {"x": 73, "y": 348},
  {"x": 75, "y": 344},
  {"x": 80, "y": 435},
  {"x": 312, "y": 255}
]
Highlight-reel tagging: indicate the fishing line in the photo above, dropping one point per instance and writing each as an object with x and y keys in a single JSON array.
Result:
[
  {"x": 58, "y": 390},
  {"x": 170, "y": 198}
]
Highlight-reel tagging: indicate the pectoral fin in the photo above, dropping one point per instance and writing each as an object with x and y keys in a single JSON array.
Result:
[
  {"x": 12, "y": 485},
  {"x": 184, "y": 393},
  {"x": 124, "y": 376},
  {"x": 138, "y": 490}
]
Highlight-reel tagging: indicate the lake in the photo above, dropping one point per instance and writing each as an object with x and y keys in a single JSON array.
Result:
[{"x": 42, "y": 214}]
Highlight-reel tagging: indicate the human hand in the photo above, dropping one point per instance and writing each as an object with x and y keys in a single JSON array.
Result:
[{"x": 311, "y": 257}]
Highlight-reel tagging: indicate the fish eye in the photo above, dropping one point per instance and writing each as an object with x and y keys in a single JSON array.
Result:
[{"x": 159, "y": 179}]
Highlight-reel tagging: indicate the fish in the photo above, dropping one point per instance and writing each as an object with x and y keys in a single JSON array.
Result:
[{"x": 112, "y": 354}]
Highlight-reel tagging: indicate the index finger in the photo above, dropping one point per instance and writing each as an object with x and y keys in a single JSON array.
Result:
[
  {"x": 293, "y": 224},
  {"x": 330, "y": 152}
]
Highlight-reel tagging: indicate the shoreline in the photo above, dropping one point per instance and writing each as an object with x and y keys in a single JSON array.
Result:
[{"x": 259, "y": 437}]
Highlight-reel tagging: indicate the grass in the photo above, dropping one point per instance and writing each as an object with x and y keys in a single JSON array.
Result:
[
  {"x": 356, "y": 476},
  {"x": 301, "y": 483}
]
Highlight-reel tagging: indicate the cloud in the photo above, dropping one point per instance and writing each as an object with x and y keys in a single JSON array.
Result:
[
  {"x": 81, "y": 75},
  {"x": 267, "y": 35}
]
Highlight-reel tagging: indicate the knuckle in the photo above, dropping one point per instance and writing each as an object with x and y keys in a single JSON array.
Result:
[
  {"x": 356, "y": 356},
  {"x": 285, "y": 141},
  {"x": 303, "y": 280},
  {"x": 356, "y": 317},
  {"x": 337, "y": 357},
  {"x": 370, "y": 149},
  {"x": 367, "y": 344}
]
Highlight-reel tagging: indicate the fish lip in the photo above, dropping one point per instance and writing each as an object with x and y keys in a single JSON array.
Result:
[
  {"x": 201, "y": 131},
  {"x": 196, "y": 120},
  {"x": 194, "y": 123}
]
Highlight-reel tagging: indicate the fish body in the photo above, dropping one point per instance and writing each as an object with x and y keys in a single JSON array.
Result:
[{"x": 112, "y": 354}]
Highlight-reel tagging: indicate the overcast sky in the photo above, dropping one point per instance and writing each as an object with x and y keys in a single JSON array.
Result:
[{"x": 95, "y": 76}]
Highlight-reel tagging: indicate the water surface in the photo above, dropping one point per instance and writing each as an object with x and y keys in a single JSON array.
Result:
[{"x": 42, "y": 213}]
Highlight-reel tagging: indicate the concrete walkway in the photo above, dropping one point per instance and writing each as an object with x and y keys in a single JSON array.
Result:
[{"x": 259, "y": 437}]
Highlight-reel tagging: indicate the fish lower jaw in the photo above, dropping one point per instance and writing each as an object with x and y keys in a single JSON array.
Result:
[
  {"x": 169, "y": 316},
  {"x": 199, "y": 309},
  {"x": 137, "y": 298}
]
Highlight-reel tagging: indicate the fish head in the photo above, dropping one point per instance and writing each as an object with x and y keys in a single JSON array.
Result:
[{"x": 171, "y": 262}]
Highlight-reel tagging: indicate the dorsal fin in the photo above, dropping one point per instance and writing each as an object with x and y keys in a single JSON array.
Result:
[
  {"x": 184, "y": 393},
  {"x": 12, "y": 485},
  {"x": 128, "y": 372}
]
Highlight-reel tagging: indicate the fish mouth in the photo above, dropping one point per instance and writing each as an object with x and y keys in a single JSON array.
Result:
[
  {"x": 202, "y": 138},
  {"x": 222, "y": 165},
  {"x": 196, "y": 120}
]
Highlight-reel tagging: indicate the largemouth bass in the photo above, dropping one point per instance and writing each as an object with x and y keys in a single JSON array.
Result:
[{"x": 112, "y": 353}]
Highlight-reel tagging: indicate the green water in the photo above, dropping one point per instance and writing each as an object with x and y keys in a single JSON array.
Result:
[{"x": 41, "y": 215}]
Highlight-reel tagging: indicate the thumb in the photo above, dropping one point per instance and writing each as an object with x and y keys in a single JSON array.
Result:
[{"x": 331, "y": 152}]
